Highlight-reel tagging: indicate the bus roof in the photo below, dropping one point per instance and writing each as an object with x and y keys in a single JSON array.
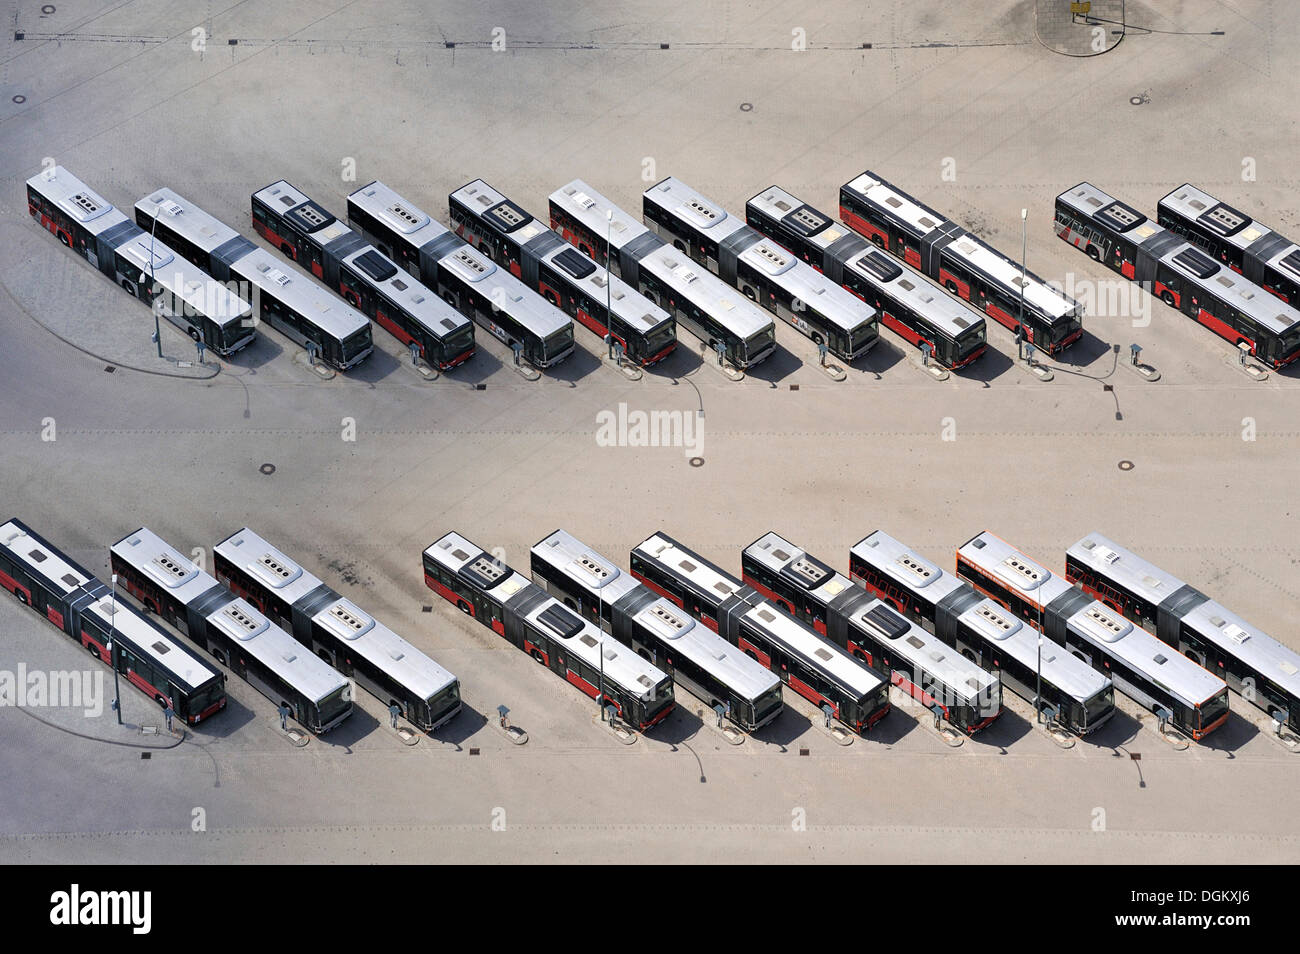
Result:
[
  {"x": 820, "y": 653},
  {"x": 876, "y": 191},
  {"x": 915, "y": 291},
  {"x": 584, "y": 566},
  {"x": 307, "y": 215},
  {"x": 494, "y": 208},
  {"x": 997, "y": 266},
  {"x": 195, "y": 287},
  {"x": 679, "y": 199},
  {"x": 42, "y": 559},
  {"x": 777, "y": 554},
  {"x": 1210, "y": 619},
  {"x": 706, "y": 649},
  {"x": 279, "y": 652},
  {"x": 1223, "y": 220},
  {"x": 186, "y": 219},
  {"x": 505, "y": 291},
  {"x": 626, "y": 302},
  {"x": 686, "y": 565},
  {"x": 156, "y": 559},
  {"x": 1242, "y": 294},
  {"x": 333, "y": 315},
  {"x": 278, "y": 573},
  {"x": 923, "y": 649},
  {"x": 179, "y": 659},
  {"x": 78, "y": 200},
  {"x": 456, "y": 553},
  {"x": 808, "y": 285},
  {"x": 1060, "y": 667},
  {"x": 1144, "y": 653},
  {"x": 816, "y": 226},
  {"x": 706, "y": 291},
  {"x": 596, "y": 648},
  {"x": 1090, "y": 202},
  {"x": 407, "y": 292},
  {"x": 1001, "y": 560},
  {"x": 906, "y": 566},
  {"x": 589, "y": 207},
  {"x": 414, "y": 226},
  {"x": 384, "y": 649}
]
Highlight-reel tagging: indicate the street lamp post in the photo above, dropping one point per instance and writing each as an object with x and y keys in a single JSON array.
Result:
[
  {"x": 112, "y": 638},
  {"x": 1024, "y": 248},
  {"x": 609, "y": 318},
  {"x": 1038, "y": 688},
  {"x": 157, "y": 328}
]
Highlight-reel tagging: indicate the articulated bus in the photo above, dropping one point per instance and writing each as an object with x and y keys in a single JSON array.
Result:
[
  {"x": 466, "y": 279},
  {"x": 961, "y": 263},
  {"x": 790, "y": 289},
  {"x": 522, "y": 613},
  {"x": 909, "y": 305},
  {"x": 69, "y": 596},
  {"x": 1182, "y": 276},
  {"x": 143, "y": 265},
  {"x": 813, "y": 666},
  {"x": 699, "y": 660},
  {"x": 337, "y": 630},
  {"x": 294, "y": 306},
  {"x": 1143, "y": 667},
  {"x": 236, "y": 634},
  {"x": 1255, "y": 665},
  {"x": 564, "y": 276},
  {"x": 702, "y": 303},
  {"x": 1266, "y": 258},
  {"x": 366, "y": 279},
  {"x": 983, "y": 632},
  {"x": 854, "y": 619}
]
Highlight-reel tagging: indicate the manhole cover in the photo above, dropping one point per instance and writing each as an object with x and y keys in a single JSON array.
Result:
[
  {"x": 19, "y": 99},
  {"x": 697, "y": 461},
  {"x": 746, "y": 107},
  {"x": 1126, "y": 465},
  {"x": 267, "y": 469}
]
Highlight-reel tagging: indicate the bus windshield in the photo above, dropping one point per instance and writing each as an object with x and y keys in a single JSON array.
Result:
[
  {"x": 356, "y": 343},
  {"x": 660, "y": 338},
  {"x": 558, "y": 343},
  {"x": 970, "y": 340},
  {"x": 335, "y": 704},
  {"x": 1214, "y": 709},
  {"x": 765, "y": 704},
  {"x": 444, "y": 701},
  {"x": 862, "y": 334},
  {"x": 755, "y": 345},
  {"x": 460, "y": 342},
  {"x": 1099, "y": 704},
  {"x": 205, "y": 697}
]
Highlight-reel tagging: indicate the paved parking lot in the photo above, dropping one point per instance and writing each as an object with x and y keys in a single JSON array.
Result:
[{"x": 119, "y": 95}]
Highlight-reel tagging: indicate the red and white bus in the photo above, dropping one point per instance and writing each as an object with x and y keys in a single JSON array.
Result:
[
  {"x": 961, "y": 263},
  {"x": 522, "y": 613},
  {"x": 236, "y": 633},
  {"x": 69, "y": 596},
  {"x": 810, "y": 664},
  {"x": 706, "y": 306},
  {"x": 1143, "y": 667},
  {"x": 564, "y": 276},
  {"x": 295, "y": 306},
  {"x": 304, "y": 231},
  {"x": 1179, "y": 274},
  {"x": 466, "y": 279},
  {"x": 909, "y": 304},
  {"x": 1266, "y": 258},
  {"x": 143, "y": 265},
  {"x": 790, "y": 289},
  {"x": 932, "y": 673}
]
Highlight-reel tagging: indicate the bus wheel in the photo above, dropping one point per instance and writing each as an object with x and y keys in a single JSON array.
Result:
[
  {"x": 1194, "y": 657},
  {"x": 463, "y": 607},
  {"x": 194, "y": 333},
  {"x": 130, "y": 288},
  {"x": 161, "y": 700},
  {"x": 970, "y": 655},
  {"x": 94, "y": 651},
  {"x": 287, "y": 250},
  {"x": 677, "y": 244},
  {"x": 951, "y": 286},
  {"x": 880, "y": 243},
  {"x": 537, "y": 654},
  {"x": 1093, "y": 253},
  {"x": 550, "y": 297},
  {"x": 220, "y": 656},
  {"x": 64, "y": 239},
  {"x": 22, "y": 597},
  {"x": 1168, "y": 299},
  {"x": 859, "y": 654}
]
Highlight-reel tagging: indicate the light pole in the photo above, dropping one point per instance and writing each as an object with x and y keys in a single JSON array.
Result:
[
  {"x": 157, "y": 328},
  {"x": 112, "y": 632},
  {"x": 1038, "y": 688},
  {"x": 1024, "y": 248}
]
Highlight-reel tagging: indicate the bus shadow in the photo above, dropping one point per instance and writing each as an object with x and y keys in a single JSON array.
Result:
[
  {"x": 988, "y": 367},
  {"x": 785, "y": 729},
  {"x": 477, "y": 369},
  {"x": 681, "y": 361},
  {"x": 577, "y": 366},
  {"x": 683, "y": 724},
  {"x": 1231, "y": 736},
  {"x": 231, "y": 719},
  {"x": 1006, "y": 730},
  {"x": 1082, "y": 353},
  {"x": 1119, "y": 731},
  {"x": 351, "y": 730},
  {"x": 260, "y": 353},
  {"x": 374, "y": 369},
  {"x": 467, "y": 722},
  {"x": 778, "y": 367},
  {"x": 898, "y": 724},
  {"x": 885, "y": 356}
]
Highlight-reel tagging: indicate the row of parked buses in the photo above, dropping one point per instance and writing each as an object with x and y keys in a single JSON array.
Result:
[
  {"x": 1213, "y": 263},
  {"x": 950, "y": 641},
  {"x": 264, "y": 618},
  {"x": 631, "y": 281}
]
